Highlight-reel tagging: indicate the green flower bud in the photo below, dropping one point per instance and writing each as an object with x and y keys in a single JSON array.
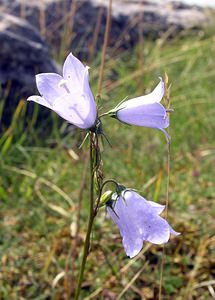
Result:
[{"x": 107, "y": 196}]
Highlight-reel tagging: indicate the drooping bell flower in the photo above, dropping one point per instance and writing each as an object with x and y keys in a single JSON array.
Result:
[
  {"x": 68, "y": 95},
  {"x": 144, "y": 111},
  {"x": 138, "y": 221}
]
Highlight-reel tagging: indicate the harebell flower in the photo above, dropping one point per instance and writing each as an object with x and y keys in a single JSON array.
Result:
[
  {"x": 144, "y": 111},
  {"x": 68, "y": 95},
  {"x": 138, "y": 220}
]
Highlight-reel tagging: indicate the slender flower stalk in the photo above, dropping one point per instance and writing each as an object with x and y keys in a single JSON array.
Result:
[
  {"x": 166, "y": 215},
  {"x": 91, "y": 218},
  {"x": 95, "y": 183},
  {"x": 167, "y": 98}
]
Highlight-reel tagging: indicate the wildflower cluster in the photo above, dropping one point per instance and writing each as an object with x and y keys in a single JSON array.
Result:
[{"x": 71, "y": 98}]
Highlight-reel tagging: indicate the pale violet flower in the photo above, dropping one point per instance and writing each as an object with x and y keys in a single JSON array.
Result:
[
  {"x": 69, "y": 95},
  {"x": 138, "y": 221},
  {"x": 144, "y": 110}
]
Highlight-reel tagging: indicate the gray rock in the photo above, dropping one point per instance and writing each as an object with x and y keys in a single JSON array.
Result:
[
  {"x": 23, "y": 54},
  {"x": 131, "y": 18}
]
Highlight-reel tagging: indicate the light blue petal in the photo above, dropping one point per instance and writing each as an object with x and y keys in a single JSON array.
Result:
[
  {"x": 39, "y": 100},
  {"x": 138, "y": 221},
  {"x": 73, "y": 73},
  {"x": 75, "y": 110},
  {"x": 154, "y": 97},
  {"x": 48, "y": 85},
  {"x": 151, "y": 115}
]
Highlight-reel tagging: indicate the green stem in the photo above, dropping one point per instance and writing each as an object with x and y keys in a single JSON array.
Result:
[
  {"x": 166, "y": 215},
  {"x": 90, "y": 221}
]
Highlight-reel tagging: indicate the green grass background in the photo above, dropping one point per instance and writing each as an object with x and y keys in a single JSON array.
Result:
[{"x": 40, "y": 183}]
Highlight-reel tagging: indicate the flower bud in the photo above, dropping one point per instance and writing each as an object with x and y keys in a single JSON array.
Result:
[
  {"x": 144, "y": 111},
  {"x": 107, "y": 196}
]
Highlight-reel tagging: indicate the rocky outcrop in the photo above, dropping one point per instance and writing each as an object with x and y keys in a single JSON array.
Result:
[
  {"x": 23, "y": 54},
  {"x": 131, "y": 19}
]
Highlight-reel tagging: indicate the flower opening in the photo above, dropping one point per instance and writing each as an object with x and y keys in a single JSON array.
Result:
[
  {"x": 138, "y": 221},
  {"x": 68, "y": 95}
]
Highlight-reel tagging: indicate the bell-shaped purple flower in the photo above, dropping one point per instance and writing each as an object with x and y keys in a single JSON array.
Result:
[
  {"x": 68, "y": 95},
  {"x": 144, "y": 111},
  {"x": 138, "y": 221}
]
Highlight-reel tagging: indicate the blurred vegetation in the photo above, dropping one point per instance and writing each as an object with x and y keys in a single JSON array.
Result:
[{"x": 41, "y": 182}]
